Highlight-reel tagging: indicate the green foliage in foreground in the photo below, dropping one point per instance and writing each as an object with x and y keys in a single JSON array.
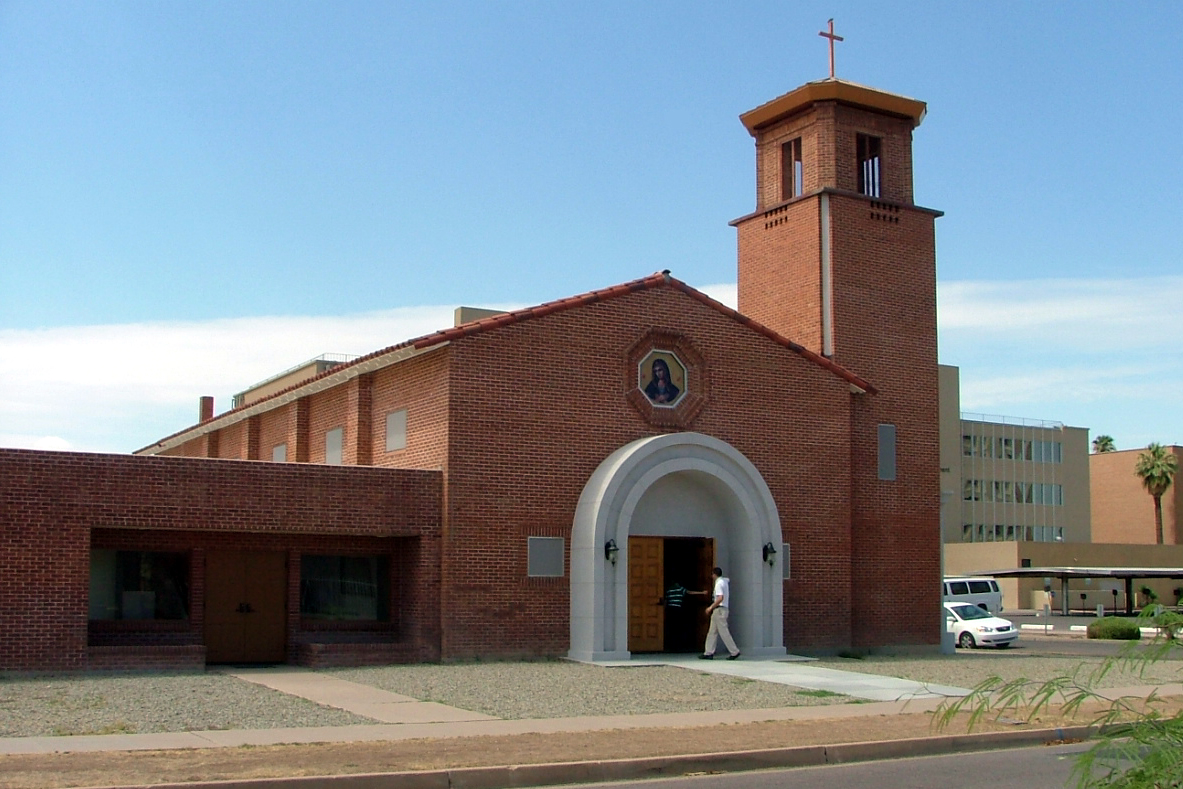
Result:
[
  {"x": 1137, "y": 746},
  {"x": 1115, "y": 628}
]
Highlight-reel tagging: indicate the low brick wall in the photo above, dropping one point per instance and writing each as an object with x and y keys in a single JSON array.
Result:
[
  {"x": 346, "y": 654},
  {"x": 187, "y": 657}
]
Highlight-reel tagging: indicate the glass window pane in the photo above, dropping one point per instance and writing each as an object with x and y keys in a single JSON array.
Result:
[
  {"x": 345, "y": 588},
  {"x": 334, "y": 443},
  {"x": 138, "y": 585},
  {"x": 396, "y": 430}
]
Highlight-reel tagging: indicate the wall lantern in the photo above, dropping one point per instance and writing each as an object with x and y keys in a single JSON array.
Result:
[
  {"x": 610, "y": 551},
  {"x": 770, "y": 554}
]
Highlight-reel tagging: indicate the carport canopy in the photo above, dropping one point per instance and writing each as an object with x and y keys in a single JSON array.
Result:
[{"x": 1065, "y": 574}]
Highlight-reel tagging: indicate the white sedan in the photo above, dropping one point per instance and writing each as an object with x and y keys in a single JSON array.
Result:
[{"x": 973, "y": 627}]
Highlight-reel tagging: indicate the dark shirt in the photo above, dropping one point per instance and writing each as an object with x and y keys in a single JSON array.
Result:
[{"x": 675, "y": 596}]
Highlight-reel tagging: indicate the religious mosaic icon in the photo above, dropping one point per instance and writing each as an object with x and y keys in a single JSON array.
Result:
[{"x": 662, "y": 377}]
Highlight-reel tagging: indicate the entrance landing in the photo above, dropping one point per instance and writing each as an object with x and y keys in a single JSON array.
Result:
[{"x": 798, "y": 672}]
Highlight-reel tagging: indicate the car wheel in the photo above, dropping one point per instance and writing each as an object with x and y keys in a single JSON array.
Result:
[{"x": 966, "y": 640}]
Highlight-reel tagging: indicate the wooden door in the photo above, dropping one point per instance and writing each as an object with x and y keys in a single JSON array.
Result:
[
  {"x": 646, "y": 579},
  {"x": 245, "y": 607}
]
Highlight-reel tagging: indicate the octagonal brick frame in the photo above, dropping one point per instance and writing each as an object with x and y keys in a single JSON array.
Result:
[{"x": 697, "y": 392}]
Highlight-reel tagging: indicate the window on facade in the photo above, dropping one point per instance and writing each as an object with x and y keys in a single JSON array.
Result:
[
  {"x": 1008, "y": 449},
  {"x": 396, "y": 430},
  {"x": 967, "y": 532},
  {"x": 1046, "y": 451},
  {"x": 138, "y": 585},
  {"x": 792, "y": 172},
  {"x": 345, "y": 588},
  {"x": 971, "y": 490},
  {"x": 334, "y": 443},
  {"x": 279, "y": 454},
  {"x": 887, "y": 452},
  {"x": 544, "y": 557},
  {"x": 869, "y": 159}
]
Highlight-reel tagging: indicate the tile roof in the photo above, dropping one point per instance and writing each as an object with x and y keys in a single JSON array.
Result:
[{"x": 657, "y": 280}]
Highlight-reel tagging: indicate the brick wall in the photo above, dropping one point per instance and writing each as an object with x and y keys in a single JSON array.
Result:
[
  {"x": 419, "y": 385},
  {"x": 52, "y": 503},
  {"x": 537, "y": 406},
  {"x": 885, "y": 328}
]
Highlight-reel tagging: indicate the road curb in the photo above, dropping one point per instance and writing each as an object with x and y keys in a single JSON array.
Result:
[{"x": 527, "y": 775}]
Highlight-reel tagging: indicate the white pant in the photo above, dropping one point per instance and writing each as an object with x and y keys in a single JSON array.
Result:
[{"x": 719, "y": 629}]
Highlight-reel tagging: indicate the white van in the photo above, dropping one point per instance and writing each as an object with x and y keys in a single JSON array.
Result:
[{"x": 982, "y": 592}]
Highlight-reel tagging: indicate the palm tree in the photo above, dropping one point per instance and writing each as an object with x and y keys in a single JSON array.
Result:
[
  {"x": 1104, "y": 443},
  {"x": 1156, "y": 466}
]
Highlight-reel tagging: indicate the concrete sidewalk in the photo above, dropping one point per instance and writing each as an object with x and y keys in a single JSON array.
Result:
[
  {"x": 403, "y": 718},
  {"x": 411, "y": 731},
  {"x": 798, "y": 672}
]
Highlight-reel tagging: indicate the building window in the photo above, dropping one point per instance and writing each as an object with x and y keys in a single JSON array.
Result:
[
  {"x": 887, "y": 452},
  {"x": 334, "y": 442},
  {"x": 544, "y": 557},
  {"x": 396, "y": 430},
  {"x": 1006, "y": 492},
  {"x": 792, "y": 171},
  {"x": 345, "y": 588},
  {"x": 869, "y": 164},
  {"x": 138, "y": 585},
  {"x": 279, "y": 454}
]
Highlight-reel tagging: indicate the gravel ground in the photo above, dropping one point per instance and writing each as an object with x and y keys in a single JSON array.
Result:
[
  {"x": 138, "y": 703},
  {"x": 968, "y": 669},
  {"x": 562, "y": 689}
]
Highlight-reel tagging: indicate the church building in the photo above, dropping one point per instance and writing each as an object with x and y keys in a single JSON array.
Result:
[{"x": 532, "y": 483}]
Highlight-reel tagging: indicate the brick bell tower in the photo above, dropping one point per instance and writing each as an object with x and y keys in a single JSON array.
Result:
[{"x": 839, "y": 258}]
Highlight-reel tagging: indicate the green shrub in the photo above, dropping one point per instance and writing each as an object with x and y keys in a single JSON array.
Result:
[{"x": 1115, "y": 628}]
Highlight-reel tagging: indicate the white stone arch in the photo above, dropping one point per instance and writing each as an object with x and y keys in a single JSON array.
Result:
[{"x": 599, "y": 589}]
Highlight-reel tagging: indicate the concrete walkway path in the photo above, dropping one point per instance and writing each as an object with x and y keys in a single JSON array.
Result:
[
  {"x": 364, "y": 700},
  {"x": 798, "y": 672}
]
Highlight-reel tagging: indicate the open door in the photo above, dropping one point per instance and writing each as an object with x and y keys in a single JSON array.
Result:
[{"x": 688, "y": 563}]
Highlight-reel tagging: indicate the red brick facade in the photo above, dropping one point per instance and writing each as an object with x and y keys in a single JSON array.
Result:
[
  {"x": 55, "y": 507},
  {"x": 508, "y": 418}
]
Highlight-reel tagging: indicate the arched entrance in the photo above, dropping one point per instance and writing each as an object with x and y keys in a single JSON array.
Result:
[{"x": 683, "y": 486}]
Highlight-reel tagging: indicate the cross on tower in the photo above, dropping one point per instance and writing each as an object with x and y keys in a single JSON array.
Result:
[{"x": 830, "y": 35}]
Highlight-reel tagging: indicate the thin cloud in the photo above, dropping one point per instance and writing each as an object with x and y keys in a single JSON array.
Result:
[
  {"x": 1047, "y": 345},
  {"x": 1102, "y": 314}
]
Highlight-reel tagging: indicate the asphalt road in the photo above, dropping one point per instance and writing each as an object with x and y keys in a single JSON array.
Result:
[{"x": 1022, "y": 768}]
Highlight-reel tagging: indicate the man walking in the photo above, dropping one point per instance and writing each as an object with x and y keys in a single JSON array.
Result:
[{"x": 717, "y": 610}]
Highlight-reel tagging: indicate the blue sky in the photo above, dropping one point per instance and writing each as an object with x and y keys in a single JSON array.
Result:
[{"x": 196, "y": 196}]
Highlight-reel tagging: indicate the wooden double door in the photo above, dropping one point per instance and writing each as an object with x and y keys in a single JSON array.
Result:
[
  {"x": 658, "y": 621},
  {"x": 246, "y": 607}
]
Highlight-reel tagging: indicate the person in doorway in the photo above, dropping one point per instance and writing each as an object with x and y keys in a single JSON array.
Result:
[{"x": 717, "y": 611}]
